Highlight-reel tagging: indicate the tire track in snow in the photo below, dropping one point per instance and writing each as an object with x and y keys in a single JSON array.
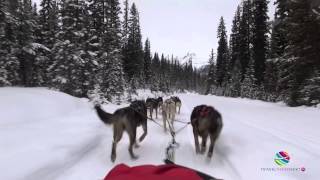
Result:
[{"x": 54, "y": 170}]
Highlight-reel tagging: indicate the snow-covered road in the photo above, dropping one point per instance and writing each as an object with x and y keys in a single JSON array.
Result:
[{"x": 50, "y": 135}]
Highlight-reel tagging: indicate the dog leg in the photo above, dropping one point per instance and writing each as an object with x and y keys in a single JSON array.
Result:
[
  {"x": 117, "y": 135},
  {"x": 164, "y": 117},
  {"x": 145, "y": 131},
  {"x": 196, "y": 140},
  {"x": 132, "y": 136},
  {"x": 213, "y": 138},
  {"x": 204, "y": 143},
  {"x": 156, "y": 113},
  {"x": 150, "y": 110},
  {"x": 113, "y": 152}
]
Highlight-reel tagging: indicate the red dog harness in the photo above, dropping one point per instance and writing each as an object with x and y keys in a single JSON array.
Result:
[{"x": 204, "y": 111}]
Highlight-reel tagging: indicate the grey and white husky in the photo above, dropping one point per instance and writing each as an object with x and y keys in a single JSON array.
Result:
[
  {"x": 168, "y": 112},
  {"x": 125, "y": 119}
]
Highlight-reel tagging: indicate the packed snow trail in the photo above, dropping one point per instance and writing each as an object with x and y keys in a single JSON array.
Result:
[{"x": 53, "y": 136}]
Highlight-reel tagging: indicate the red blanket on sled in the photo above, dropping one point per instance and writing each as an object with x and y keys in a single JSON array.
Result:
[{"x": 150, "y": 172}]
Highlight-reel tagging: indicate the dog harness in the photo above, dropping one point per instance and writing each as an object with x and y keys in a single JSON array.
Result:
[{"x": 204, "y": 111}]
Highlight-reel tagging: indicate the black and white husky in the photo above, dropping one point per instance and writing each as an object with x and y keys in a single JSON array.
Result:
[{"x": 154, "y": 105}]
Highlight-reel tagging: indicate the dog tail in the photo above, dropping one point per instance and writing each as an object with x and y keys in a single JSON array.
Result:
[{"x": 104, "y": 116}]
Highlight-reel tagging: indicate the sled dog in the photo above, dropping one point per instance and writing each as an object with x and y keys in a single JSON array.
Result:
[
  {"x": 153, "y": 104},
  {"x": 168, "y": 113},
  {"x": 206, "y": 121},
  {"x": 177, "y": 102},
  {"x": 125, "y": 119}
]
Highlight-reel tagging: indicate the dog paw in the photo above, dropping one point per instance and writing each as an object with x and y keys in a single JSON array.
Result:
[
  {"x": 197, "y": 151},
  {"x": 113, "y": 158},
  {"x": 135, "y": 157}
]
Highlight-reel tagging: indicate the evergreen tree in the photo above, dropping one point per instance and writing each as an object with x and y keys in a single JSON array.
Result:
[
  {"x": 222, "y": 53},
  {"x": 147, "y": 62},
  {"x": 125, "y": 23},
  {"x": 211, "y": 73},
  {"x": 49, "y": 22},
  {"x": 9, "y": 63},
  {"x": 235, "y": 81},
  {"x": 248, "y": 87},
  {"x": 303, "y": 50},
  {"x": 25, "y": 38},
  {"x": 279, "y": 30},
  {"x": 113, "y": 79},
  {"x": 279, "y": 43},
  {"x": 235, "y": 39},
  {"x": 245, "y": 36},
  {"x": 259, "y": 39},
  {"x": 133, "y": 57},
  {"x": 68, "y": 70}
]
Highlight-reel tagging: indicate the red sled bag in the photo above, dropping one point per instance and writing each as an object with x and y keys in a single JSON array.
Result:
[{"x": 150, "y": 172}]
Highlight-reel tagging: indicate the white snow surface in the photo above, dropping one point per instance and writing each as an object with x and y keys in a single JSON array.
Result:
[{"x": 48, "y": 135}]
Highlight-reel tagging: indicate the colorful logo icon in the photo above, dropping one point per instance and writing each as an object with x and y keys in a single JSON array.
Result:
[{"x": 282, "y": 158}]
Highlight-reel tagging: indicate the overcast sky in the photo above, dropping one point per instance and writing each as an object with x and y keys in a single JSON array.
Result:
[{"x": 180, "y": 26}]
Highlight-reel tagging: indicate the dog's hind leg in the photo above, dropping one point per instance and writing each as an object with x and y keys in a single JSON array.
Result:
[
  {"x": 156, "y": 113},
  {"x": 132, "y": 138},
  {"x": 117, "y": 135},
  {"x": 164, "y": 117},
  {"x": 204, "y": 143},
  {"x": 145, "y": 130},
  {"x": 150, "y": 112},
  {"x": 196, "y": 140},
  {"x": 213, "y": 137}
]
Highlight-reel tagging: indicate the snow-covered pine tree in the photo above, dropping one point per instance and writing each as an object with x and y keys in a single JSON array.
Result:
[
  {"x": 68, "y": 70},
  {"x": 248, "y": 86},
  {"x": 271, "y": 79},
  {"x": 42, "y": 52},
  {"x": 113, "y": 76},
  {"x": 279, "y": 30},
  {"x": 260, "y": 38},
  {"x": 94, "y": 48},
  {"x": 49, "y": 22},
  {"x": 235, "y": 81},
  {"x": 235, "y": 39},
  {"x": 155, "y": 66},
  {"x": 304, "y": 49},
  {"x": 211, "y": 74},
  {"x": 279, "y": 42},
  {"x": 9, "y": 63},
  {"x": 133, "y": 56},
  {"x": 147, "y": 62},
  {"x": 25, "y": 31},
  {"x": 222, "y": 53},
  {"x": 245, "y": 36},
  {"x": 311, "y": 90},
  {"x": 125, "y": 23}
]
